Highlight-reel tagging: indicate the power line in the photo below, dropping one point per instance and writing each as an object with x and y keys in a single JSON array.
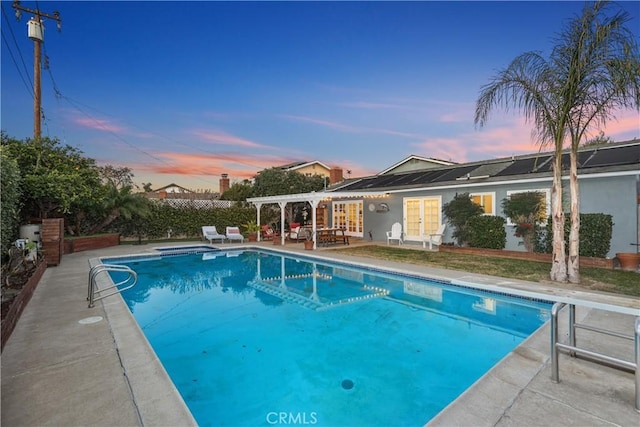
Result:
[
  {"x": 15, "y": 41},
  {"x": 36, "y": 34},
  {"x": 26, "y": 85}
]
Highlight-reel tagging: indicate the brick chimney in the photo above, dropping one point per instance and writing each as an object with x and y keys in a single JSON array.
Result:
[
  {"x": 335, "y": 175},
  {"x": 224, "y": 183}
]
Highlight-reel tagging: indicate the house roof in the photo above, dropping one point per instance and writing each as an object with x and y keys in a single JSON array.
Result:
[
  {"x": 617, "y": 157},
  {"x": 301, "y": 164},
  {"x": 186, "y": 190},
  {"x": 427, "y": 162}
]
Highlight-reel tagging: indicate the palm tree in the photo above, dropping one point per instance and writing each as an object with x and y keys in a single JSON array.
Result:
[
  {"x": 592, "y": 72},
  {"x": 598, "y": 61},
  {"x": 527, "y": 84},
  {"x": 120, "y": 202}
]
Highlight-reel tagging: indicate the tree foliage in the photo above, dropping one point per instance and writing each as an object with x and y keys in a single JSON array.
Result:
[
  {"x": 11, "y": 192},
  {"x": 458, "y": 212},
  {"x": 275, "y": 181},
  {"x": 119, "y": 177},
  {"x": 592, "y": 73},
  {"x": 238, "y": 191},
  {"x": 63, "y": 180},
  {"x": 525, "y": 210},
  {"x": 117, "y": 202}
]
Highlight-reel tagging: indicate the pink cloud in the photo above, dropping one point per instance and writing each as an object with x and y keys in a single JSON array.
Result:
[
  {"x": 325, "y": 123},
  {"x": 625, "y": 126},
  {"x": 219, "y": 137},
  {"x": 350, "y": 129},
  {"x": 98, "y": 124},
  {"x": 373, "y": 105},
  {"x": 240, "y": 165},
  {"x": 450, "y": 149}
]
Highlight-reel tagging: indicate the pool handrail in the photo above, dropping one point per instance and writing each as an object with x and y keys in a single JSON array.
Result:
[
  {"x": 132, "y": 277},
  {"x": 574, "y": 350}
]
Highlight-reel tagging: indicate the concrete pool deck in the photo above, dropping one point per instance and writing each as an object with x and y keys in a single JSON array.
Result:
[{"x": 63, "y": 365}]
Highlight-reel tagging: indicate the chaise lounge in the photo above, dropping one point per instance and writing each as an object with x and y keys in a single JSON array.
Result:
[
  {"x": 210, "y": 233},
  {"x": 233, "y": 233}
]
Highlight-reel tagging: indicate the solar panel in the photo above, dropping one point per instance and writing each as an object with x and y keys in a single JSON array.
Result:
[
  {"x": 453, "y": 174},
  {"x": 599, "y": 157},
  {"x": 619, "y": 156},
  {"x": 526, "y": 165}
]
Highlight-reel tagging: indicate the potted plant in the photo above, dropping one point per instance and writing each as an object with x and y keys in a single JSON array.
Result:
[
  {"x": 31, "y": 251},
  {"x": 252, "y": 228},
  {"x": 308, "y": 241}
]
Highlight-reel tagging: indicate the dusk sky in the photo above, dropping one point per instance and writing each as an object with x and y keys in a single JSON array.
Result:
[{"x": 181, "y": 92}]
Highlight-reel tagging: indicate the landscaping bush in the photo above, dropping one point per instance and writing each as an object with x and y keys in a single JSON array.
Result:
[
  {"x": 487, "y": 232},
  {"x": 184, "y": 221},
  {"x": 458, "y": 212},
  {"x": 595, "y": 235},
  {"x": 11, "y": 193}
]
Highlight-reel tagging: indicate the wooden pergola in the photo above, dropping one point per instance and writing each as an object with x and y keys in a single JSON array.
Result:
[{"x": 314, "y": 199}]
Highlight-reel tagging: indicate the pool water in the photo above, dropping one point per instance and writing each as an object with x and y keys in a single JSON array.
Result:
[{"x": 254, "y": 338}]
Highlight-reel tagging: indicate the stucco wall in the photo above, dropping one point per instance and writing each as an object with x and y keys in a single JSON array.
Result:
[{"x": 616, "y": 196}]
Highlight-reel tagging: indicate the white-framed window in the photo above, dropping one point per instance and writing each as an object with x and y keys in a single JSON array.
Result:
[
  {"x": 547, "y": 203},
  {"x": 486, "y": 200}
]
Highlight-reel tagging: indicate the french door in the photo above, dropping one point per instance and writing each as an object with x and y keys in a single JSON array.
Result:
[
  {"x": 348, "y": 215},
  {"x": 422, "y": 216}
]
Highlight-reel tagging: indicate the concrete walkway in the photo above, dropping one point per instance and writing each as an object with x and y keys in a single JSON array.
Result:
[{"x": 67, "y": 365}]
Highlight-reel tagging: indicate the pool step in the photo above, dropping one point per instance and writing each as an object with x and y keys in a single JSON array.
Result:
[
  {"x": 285, "y": 294},
  {"x": 315, "y": 303}
]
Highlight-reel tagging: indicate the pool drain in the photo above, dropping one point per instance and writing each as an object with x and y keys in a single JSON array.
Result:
[{"x": 347, "y": 384}]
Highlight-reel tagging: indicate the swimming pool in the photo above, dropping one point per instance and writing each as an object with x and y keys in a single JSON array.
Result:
[{"x": 257, "y": 338}]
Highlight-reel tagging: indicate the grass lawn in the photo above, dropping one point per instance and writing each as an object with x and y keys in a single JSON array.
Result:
[{"x": 594, "y": 279}]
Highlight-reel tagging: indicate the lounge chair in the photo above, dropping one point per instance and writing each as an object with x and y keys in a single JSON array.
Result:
[
  {"x": 296, "y": 233},
  {"x": 233, "y": 233},
  {"x": 395, "y": 233},
  {"x": 210, "y": 233},
  {"x": 435, "y": 238},
  {"x": 267, "y": 233}
]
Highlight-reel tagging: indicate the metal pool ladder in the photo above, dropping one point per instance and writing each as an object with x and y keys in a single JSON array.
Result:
[
  {"x": 573, "y": 349},
  {"x": 128, "y": 282}
]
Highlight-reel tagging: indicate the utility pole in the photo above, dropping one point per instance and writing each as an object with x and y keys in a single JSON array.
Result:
[{"x": 36, "y": 33}]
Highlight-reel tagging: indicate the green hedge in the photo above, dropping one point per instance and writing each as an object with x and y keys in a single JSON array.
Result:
[
  {"x": 185, "y": 221},
  {"x": 595, "y": 235},
  {"x": 487, "y": 232}
]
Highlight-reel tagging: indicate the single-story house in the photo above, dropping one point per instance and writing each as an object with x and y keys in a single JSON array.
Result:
[{"x": 609, "y": 178}]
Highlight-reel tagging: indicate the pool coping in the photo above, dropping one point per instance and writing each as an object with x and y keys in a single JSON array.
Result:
[{"x": 531, "y": 357}]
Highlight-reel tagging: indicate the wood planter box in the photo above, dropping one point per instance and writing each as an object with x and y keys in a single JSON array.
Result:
[
  {"x": 79, "y": 244},
  {"x": 21, "y": 301},
  {"x": 531, "y": 256}
]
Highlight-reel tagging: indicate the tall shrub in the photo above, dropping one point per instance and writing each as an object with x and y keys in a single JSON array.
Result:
[
  {"x": 487, "y": 232},
  {"x": 10, "y": 192},
  {"x": 458, "y": 212},
  {"x": 525, "y": 210},
  {"x": 596, "y": 230}
]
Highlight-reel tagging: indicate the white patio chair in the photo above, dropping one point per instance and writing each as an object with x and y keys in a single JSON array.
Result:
[
  {"x": 233, "y": 233},
  {"x": 434, "y": 239},
  {"x": 395, "y": 233},
  {"x": 210, "y": 233}
]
